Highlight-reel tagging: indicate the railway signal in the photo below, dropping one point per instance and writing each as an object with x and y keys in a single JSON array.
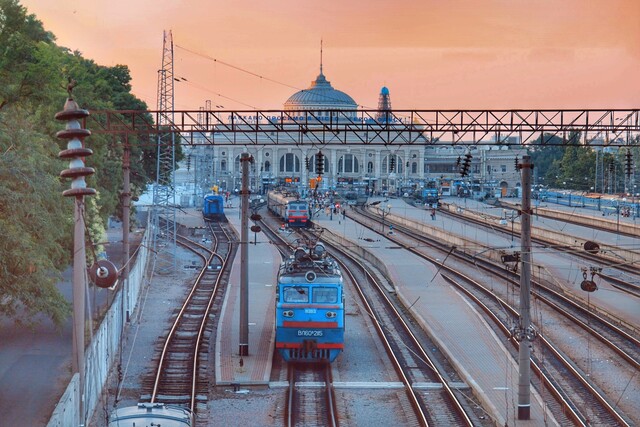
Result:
[
  {"x": 628, "y": 164},
  {"x": 466, "y": 164},
  {"x": 320, "y": 163}
]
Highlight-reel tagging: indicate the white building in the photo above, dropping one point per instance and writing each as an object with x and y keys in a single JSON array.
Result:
[{"x": 396, "y": 168}]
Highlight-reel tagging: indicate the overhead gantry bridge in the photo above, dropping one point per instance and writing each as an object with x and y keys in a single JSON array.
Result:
[{"x": 609, "y": 127}]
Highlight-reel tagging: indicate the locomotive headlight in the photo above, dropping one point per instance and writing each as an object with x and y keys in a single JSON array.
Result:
[
  {"x": 288, "y": 313},
  {"x": 330, "y": 314}
]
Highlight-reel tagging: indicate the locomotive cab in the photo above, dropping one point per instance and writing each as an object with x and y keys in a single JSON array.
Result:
[{"x": 310, "y": 308}]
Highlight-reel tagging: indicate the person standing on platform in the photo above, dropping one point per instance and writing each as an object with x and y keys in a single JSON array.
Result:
[{"x": 433, "y": 214}]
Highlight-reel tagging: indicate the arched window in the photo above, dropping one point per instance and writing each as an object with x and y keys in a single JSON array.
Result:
[
  {"x": 289, "y": 163},
  {"x": 348, "y": 164},
  {"x": 370, "y": 167},
  {"x": 223, "y": 165},
  {"x": 414, "y": 167},
  {"x": 399, "y": 167},
  {"x": 267, "y": 166},
  {"x": 312, "y": 164}
]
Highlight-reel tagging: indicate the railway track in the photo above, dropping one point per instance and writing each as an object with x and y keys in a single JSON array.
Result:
[
  {"x": 180, "y": 375},
  {"x": 310, "y": 397},
  {"x": 630, "y": 288},
  {"x": 427, "y": 383},
  {"x": 597, "y": 406},
  {"x": 619, "y": 336},
  {"x": 629, "y": 269}
]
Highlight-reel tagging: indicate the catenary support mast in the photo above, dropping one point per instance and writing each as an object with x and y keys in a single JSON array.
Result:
[
  {"x": 525, "y": 333},
  {"x": 164, "y": 189}
]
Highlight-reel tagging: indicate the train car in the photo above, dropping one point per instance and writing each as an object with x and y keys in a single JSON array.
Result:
[
  {"x": 430, "y": 194},
  {"x": 213, "y": 208},
  {"x": 151, "y": 414},
  {"x": 294, "y": 211},
  {"x": 310, "y": 307}
]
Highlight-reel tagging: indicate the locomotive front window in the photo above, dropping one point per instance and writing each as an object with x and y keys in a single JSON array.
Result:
[
  {"x": 325, "y": 295},
  {"x": 296, "y": 294}
]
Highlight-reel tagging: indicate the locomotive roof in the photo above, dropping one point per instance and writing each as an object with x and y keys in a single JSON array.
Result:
[
  {"x": 300, "y": 279},
  {"x": 305, "y": 260}
]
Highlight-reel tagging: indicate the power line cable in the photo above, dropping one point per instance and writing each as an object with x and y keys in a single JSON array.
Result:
[
  {"x": 251, "y": 73},
  {"x": 235, "y": 67},
  {"x": 199, "y": 86}
]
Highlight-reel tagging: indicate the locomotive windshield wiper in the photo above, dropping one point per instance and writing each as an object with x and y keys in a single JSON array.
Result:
[{"x": 300, "y": 289}]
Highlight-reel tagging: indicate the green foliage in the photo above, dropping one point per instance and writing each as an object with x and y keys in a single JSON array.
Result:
[
  {"x": 35, "y": 224},
  {"x": 35, "y": 218}
]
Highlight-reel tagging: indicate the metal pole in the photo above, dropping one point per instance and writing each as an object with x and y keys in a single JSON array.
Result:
[
  {"x": 79, "y": 270},
  {"x": 126, "y": 206},
  {"x": 76, "y": 152},
  {"x": 525, "y": 333},
  {"x": 245, "y": 158}
]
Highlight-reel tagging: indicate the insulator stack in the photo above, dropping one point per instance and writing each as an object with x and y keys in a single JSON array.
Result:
[{"x": 75, "y": 152}]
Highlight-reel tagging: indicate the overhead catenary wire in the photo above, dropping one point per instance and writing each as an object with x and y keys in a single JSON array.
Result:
[{"x": 259, "y": 76}]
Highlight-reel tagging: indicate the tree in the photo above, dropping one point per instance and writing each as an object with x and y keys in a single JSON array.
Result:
[
  {"x": 35, "y": 224},
  {"x": 35, "y": 218}
]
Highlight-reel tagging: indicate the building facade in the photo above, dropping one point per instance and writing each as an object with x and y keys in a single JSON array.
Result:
[{"x": 371, "y": 169}]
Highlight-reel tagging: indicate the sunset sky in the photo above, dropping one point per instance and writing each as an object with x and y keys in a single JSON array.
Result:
[{"x": 431, "y": 54}]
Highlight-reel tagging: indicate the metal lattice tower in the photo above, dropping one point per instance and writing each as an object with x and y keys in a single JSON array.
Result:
[{"x": 164, "y": 189}]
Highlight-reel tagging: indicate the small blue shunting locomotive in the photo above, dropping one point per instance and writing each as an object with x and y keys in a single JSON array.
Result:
[
  {"x": 213, "y": 208},
  {"x": 310, "y": 307}
]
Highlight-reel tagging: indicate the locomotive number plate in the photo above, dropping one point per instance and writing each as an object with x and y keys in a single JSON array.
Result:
[
  {"x": 310, "y": 311},
  {"x": 303, "y": 333}
]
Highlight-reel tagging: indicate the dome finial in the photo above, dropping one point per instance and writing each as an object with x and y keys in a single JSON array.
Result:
[{"x": 320, "y": 55}]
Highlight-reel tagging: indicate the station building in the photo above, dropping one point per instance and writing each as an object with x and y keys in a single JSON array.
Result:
[{"x": 353, "y": 166}]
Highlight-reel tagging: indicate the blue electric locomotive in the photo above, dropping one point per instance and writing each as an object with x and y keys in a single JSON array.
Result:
[
  {"x": 213, "y": 208},
  {"x": 310, "y": 307}
]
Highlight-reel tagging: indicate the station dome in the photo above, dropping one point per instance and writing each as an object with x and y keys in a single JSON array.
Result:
[{"x": 320, "y": 95}]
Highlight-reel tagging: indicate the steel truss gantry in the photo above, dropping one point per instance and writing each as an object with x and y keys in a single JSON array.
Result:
[{"x": 609, "y": 127}]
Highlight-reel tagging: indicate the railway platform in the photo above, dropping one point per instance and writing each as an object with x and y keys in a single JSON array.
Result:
[
  {"x": 461, "y": 332},
  {"x": 549, "y": 266},
  {"x": 254, "y": 369}
]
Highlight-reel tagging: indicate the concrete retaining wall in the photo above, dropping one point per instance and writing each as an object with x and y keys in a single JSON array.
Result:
[{"x": 101, "y": 352}]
